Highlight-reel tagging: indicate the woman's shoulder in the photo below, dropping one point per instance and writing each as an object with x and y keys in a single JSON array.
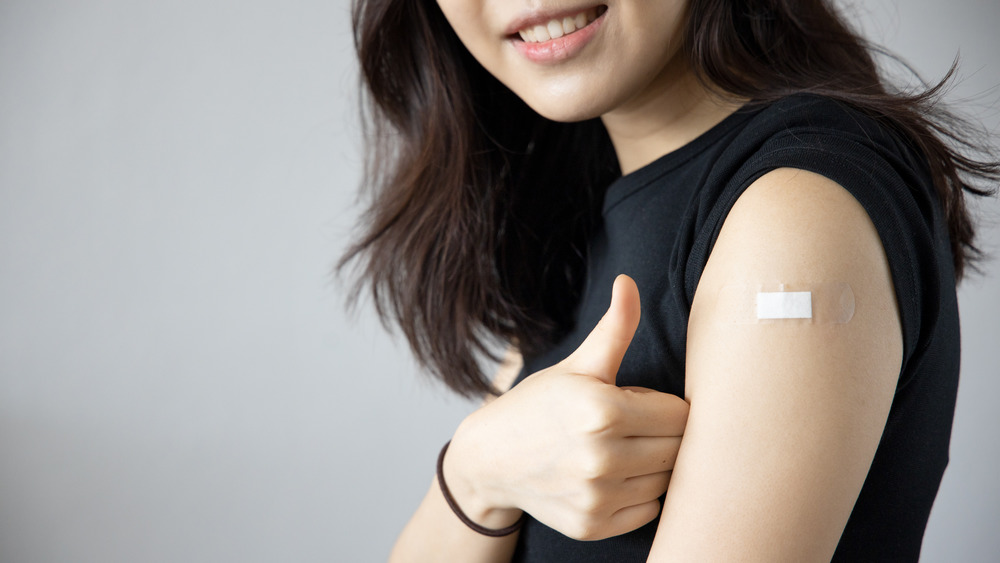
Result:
[
  {"x": 807, "y": 118},
  {"x": 845, "y": 148},
  {"x": 848, "y": 144}
]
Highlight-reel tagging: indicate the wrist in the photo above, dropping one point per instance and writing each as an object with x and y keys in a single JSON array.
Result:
[{"x": 466, "y": 469}]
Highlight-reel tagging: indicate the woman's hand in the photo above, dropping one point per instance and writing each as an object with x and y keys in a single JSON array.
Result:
[{"x": 583, "y": 456}]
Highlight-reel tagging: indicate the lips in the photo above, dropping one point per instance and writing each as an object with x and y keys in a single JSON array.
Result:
[
  {"x": 555, "y": 28},
  {"x": 554, "y": 37}
]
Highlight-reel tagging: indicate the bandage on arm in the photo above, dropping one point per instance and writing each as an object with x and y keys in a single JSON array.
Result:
[
  {"x": 804, "y": 301},
  {"x": 788, "y": 402}
]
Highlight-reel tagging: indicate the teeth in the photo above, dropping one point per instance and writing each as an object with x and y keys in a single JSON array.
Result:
[
  {"x": 568, "y": 25},
  {"x": 541, "y": 33},
  {"x": 555, "y": 29}
]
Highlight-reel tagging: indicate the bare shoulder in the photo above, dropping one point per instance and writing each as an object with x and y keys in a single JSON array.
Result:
[
  {"x": 797, "y": 229},
  {"x": 796, "y": 222},
  {"x": 787, "y": 409}
]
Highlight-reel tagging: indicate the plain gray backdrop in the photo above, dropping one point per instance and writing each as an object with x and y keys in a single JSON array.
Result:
[{"x": 179, "y": 380}]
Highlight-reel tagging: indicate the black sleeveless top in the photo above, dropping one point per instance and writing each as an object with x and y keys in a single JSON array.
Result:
[{"x": 659, "y": 225}]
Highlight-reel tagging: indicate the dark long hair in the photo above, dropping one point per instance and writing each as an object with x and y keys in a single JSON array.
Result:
[{"x": 476, "y": 222}]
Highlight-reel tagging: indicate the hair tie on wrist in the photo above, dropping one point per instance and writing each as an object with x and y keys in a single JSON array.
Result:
[{"x": 458, "y": 511}]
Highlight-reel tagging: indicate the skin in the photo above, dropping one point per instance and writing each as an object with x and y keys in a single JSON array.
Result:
[
  {"x": 601, "y": 454},
  {"x": 632, "y": 74},
  {"x": 784, "y": 417},
  {"x": 579, "y": 87}
]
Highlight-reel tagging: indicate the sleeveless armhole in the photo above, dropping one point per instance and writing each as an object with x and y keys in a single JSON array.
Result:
[{"x": 892, "y": 193}]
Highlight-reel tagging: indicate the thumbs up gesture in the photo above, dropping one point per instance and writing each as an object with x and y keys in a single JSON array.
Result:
[
  {"x": 602, "y": 352},
  {"x": 568, "y": 446}
]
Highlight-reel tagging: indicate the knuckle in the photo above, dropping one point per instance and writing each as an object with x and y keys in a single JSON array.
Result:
[
  {"x": 593, "y": 467},
  {"x": 586, "y": 529},
  {"x": 601, "y": 417},
  {"x": 589, "y": 502}
]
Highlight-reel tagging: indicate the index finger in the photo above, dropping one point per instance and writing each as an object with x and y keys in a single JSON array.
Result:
[{"x": 651, "y": 413}]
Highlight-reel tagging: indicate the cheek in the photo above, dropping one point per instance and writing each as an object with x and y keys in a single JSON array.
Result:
[
  {"x": 469, "y": 20},
  {"x": 624, "y": 63}
]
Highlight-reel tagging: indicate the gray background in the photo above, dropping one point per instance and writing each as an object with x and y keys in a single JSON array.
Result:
[{"x": 178, "y": 378}]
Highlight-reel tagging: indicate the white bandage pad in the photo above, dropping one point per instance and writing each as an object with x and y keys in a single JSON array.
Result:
[
  {"x": 811, "y": 303},
  {"x": 784, "y": 305}
]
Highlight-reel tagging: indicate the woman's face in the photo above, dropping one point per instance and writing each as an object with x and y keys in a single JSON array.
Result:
[{"x": 573, "y": 59}]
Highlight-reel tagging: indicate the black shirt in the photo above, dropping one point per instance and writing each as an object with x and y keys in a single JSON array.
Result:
[{"x": 659, "y": 226}]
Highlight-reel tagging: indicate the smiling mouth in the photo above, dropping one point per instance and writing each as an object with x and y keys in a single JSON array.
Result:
[{"x": 560, "y": 27}]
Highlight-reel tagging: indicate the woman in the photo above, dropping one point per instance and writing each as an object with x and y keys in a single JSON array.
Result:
[{"x": 795, "y": 230}]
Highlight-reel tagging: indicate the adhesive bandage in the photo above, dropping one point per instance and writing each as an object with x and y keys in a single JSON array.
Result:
[{"x": 810, "y": 303}]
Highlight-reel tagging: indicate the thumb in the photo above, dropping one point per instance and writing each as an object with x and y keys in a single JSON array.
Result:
[{"x": 601, "y": 353}]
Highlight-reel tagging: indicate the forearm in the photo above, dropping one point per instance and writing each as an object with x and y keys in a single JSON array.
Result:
[{"x": 435, "y": 534}]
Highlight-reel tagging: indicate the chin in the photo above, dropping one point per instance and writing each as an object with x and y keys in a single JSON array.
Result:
[
  {"x": 567, "y": 117},
  {"x": 566, "y": 111}
]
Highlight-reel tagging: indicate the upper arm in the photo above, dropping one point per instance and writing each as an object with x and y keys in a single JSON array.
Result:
[{"x": 785, "y": 416}]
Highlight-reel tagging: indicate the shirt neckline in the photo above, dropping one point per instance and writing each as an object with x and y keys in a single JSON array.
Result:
[{"x": 632, "y": 182}]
